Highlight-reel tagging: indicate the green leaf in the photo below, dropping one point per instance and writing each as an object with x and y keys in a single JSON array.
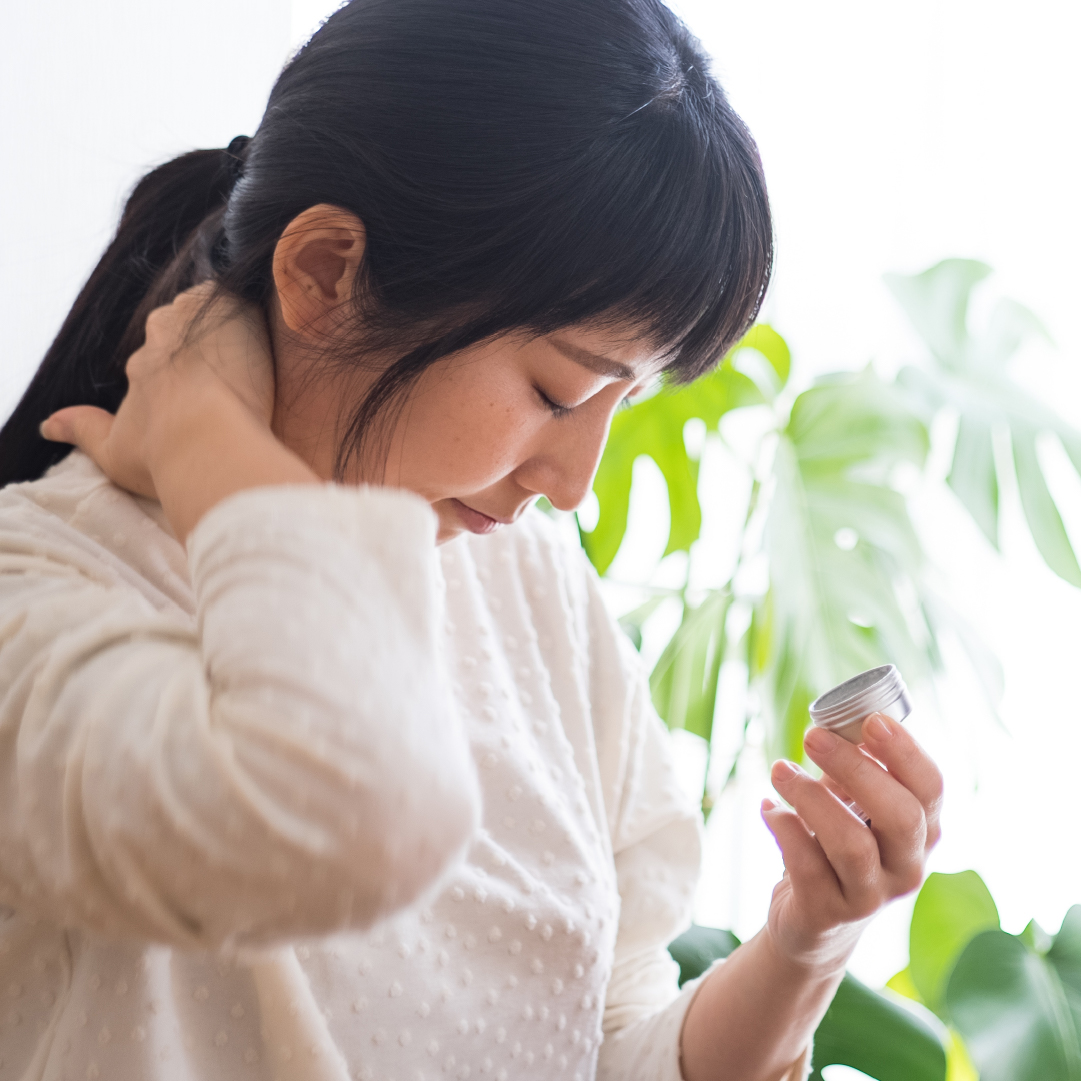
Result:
[
  {"x": 1036, "y": 938},
  {"x": 684, "y": 680},
  {"x": 1010, "y": 325},
  {"x": 632, "y": 621},
  {"x": 773, "y": 350},
  {"x": 1044, "y": 520},
  {"x": 1065, "y": 954},
  {"x": 849, "y": 419},
  {"x": 972, "y": 475},
  {"x": 697, "y": 948},
  {"x": 949, "y": 912},
  {"x": 969, "y": 375},
  {"x": 833, "y": 608},
  {"x": 959, "y": 1065},
  {"x": 937, "y": 303},
  {"x": 884, "y": 1040},
  {"x": 900, "y": 983},
  {"x": 1014, "y": 1010},
  {"x": 612, "y": 487},
  {"x": 654, "y": 428}
]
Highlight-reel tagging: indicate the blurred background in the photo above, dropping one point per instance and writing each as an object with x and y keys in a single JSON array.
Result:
[{"x": 893, "y": 136}]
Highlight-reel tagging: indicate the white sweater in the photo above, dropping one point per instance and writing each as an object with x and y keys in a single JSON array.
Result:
[{"x": 316, "y": 800}]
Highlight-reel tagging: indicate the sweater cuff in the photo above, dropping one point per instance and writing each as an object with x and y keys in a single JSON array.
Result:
[{"x": 650, "y": 1048}]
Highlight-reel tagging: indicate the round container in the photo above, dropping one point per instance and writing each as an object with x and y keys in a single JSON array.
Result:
[{"x": 844, "y": 709}]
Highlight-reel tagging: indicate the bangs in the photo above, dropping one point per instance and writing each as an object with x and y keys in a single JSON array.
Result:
[
  {"x": 677, "y": 239},
  {"x": 663, "y": 225}
]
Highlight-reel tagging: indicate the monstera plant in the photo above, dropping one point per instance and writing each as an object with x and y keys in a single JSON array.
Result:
[
  {"x": 846, "y": 587},
  {"x": 1009, "y": 1005},
  {"x": 1015, "y": 999},
  {"x": 846, "y": 584}
]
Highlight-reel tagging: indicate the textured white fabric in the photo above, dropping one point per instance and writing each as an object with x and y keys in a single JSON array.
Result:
[
  {"x": 317, "y": 800},
  {"x": 648, "y": 1044}
]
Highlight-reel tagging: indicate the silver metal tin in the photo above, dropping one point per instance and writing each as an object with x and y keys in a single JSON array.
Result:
[{"x": 844, "y": 708}]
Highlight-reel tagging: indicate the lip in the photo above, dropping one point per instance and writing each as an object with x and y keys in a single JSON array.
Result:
[{"x": 476, "y": 521}]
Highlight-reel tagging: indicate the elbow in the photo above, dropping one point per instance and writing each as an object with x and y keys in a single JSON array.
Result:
[{"x": 427, "y": 834}]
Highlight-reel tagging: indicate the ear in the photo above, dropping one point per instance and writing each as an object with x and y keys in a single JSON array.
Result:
[{"x": 315, "y": 265}]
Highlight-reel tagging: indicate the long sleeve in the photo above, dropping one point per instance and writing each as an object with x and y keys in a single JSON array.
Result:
[
  {"x": 656, "y": 843},
  {"x": 286, "y": 763},
  {"x": 656, "y": 848}
]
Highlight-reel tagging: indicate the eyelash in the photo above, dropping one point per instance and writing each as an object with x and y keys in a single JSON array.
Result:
[{"x": 558, "y": 411}]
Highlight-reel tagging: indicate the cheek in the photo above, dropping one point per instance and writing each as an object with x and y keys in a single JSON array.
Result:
[{"x": 464, "y": 438}]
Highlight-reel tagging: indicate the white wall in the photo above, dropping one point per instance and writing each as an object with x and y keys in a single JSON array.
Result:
[
  {"x": 893, "y": 135},
  {"x": 92, "y": 94},
  {"x": 896, "y": 134}
]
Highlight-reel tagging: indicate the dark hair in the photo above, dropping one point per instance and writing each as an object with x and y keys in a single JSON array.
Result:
[{"x": 518, "y": 164}]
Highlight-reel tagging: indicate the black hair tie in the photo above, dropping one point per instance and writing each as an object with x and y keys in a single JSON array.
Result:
[{"x": 237, "y": 151}]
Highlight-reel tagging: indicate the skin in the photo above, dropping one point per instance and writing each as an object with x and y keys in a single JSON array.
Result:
[{"x": 240, "y": 402}]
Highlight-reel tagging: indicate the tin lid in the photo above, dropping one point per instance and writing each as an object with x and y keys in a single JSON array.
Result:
[{"x": 870, "y": 692}]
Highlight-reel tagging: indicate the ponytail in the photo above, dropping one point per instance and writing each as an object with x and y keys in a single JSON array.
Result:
[{"x": 166, "y": 242}]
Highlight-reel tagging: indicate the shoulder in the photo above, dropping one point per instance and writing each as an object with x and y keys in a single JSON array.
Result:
[
  {"x": 73, "y": 492},
  {"x": 75, "y": 520}
]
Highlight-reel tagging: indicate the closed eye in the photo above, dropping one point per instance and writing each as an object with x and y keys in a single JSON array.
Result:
[{"x": 555, "y": 408}]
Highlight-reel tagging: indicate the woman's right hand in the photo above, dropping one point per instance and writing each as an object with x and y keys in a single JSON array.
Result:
[
  {"x": 196, "y": 350},
  {"x": 194, "y": 427}
]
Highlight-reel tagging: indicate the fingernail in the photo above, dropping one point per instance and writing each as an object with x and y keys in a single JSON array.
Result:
[
  {"x": 768, "y": 805},
  {"x": 41, "y": 428},
  {"x": 783, "y": 770},
  {"x": 875, "y": 726},
  {"x": 818, "y": 739}
]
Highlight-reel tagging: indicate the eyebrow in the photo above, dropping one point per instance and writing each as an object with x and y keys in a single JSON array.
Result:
[{"x": 594, "y": 361}]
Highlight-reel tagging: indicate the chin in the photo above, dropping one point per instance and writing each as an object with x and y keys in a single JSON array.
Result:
[{"x": 447, "y": 533}]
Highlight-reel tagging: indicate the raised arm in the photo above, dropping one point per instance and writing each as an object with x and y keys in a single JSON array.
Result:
[{"x": 288, "y": 763}]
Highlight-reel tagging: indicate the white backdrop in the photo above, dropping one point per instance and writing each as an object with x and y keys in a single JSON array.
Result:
[{"x": 893, "y": 136}]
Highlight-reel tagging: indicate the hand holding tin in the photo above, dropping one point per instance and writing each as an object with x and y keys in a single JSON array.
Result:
[{"x": 839, "y": 872}]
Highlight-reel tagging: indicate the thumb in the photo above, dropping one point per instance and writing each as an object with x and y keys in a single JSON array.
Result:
[
  {"x": 84, "y": 426},
  {"x": 90, "y": 429}
]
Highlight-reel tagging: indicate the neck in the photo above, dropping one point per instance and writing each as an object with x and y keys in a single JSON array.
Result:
[{"x": 311, "y": 406}]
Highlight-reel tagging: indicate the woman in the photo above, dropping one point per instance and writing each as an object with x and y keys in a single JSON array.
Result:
[{"x": 321, "y": 757}]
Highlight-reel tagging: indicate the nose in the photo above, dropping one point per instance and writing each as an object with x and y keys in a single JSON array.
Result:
[{"x": 565, "y": 460}]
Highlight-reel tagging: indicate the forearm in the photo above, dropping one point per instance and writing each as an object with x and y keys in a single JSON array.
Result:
[
  {"x": 212, "y": 450},
  {"x": 753, "y": 1016},
  {"x": 247, "y": 747}
]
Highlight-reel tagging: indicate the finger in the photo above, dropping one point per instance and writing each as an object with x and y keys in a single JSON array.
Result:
[
  {"x": 897, "y": 817},
  {"x": 836, "y": 789},
  {"x": 84, "y": 426},
  {"x": 803, "y": 857},
  {"x": 906, "y": 760},
  {"x": 850, "y": 847},
  {"x": 844, "y": 797},
  {"x": 200, "y": 293},
  {"x": 91, "y": 430}
]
